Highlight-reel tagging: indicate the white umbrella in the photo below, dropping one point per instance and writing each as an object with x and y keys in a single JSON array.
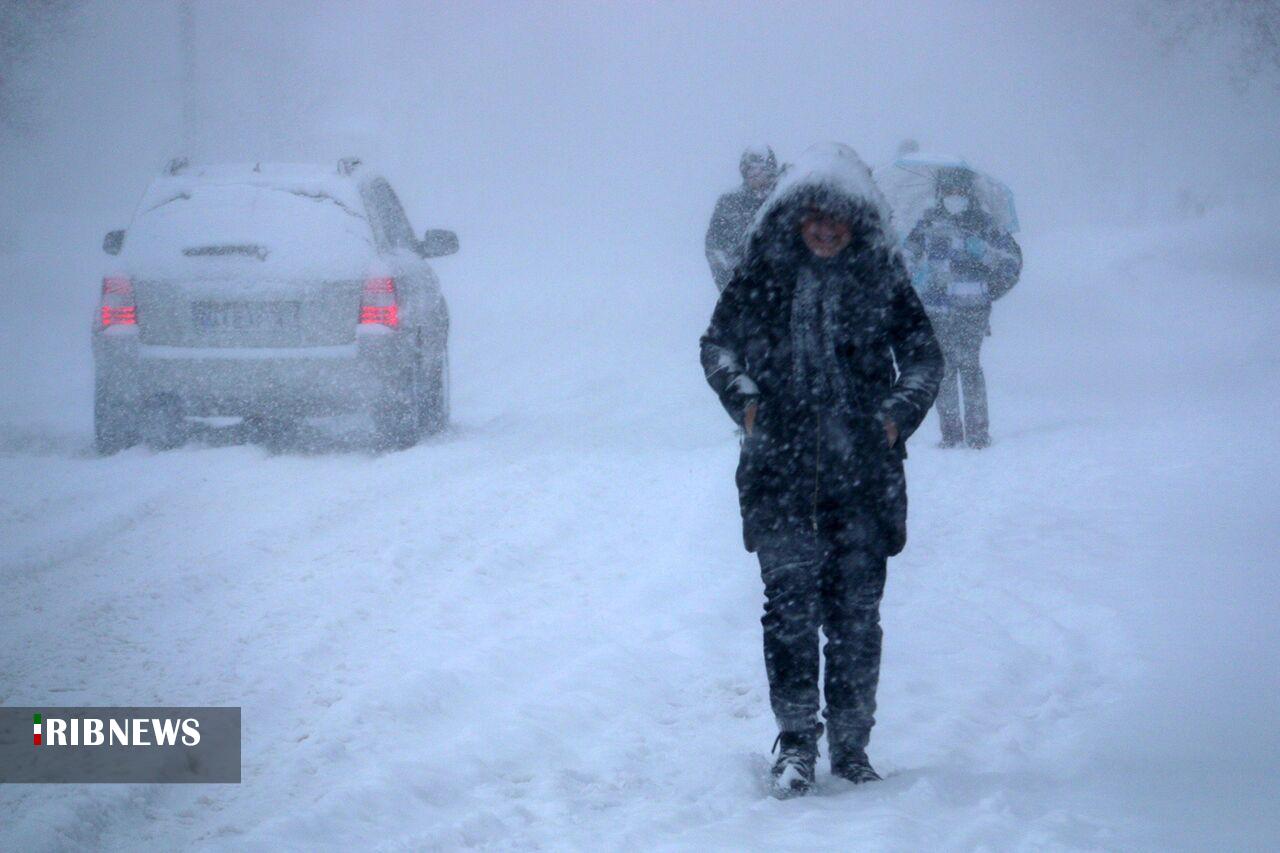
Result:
[{"x": 910, "y": 185}]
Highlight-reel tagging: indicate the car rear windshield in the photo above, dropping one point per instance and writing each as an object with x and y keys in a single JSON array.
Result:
[{"x": 281, "y": 228}]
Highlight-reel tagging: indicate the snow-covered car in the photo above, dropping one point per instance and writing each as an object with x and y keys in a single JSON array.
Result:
[{"x": 270, "y": 291}]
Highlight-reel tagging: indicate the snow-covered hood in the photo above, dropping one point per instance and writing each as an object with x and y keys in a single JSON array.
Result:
[{"x": 831, "y": 177}]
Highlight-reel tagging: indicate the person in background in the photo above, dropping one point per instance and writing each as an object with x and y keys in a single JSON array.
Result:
[
  {"x": 820, "y": 350},
  {"x": 726, "y": 235},
  {"x": 962, "y": 263}
]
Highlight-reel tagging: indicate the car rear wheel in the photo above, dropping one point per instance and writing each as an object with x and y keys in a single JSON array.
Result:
[
  {"x": 115, "y": 421},
  {"x": 396, "y": 415},
  {"x": 434, "y": 401}
]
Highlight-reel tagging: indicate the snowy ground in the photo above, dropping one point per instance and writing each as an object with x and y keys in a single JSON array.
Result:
[{"x": 540, "y": 631}]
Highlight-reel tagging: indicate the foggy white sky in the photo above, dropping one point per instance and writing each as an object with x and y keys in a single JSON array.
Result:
[
  {"x": 635, "y": 112},
  {"x": 576, "y": 143}
]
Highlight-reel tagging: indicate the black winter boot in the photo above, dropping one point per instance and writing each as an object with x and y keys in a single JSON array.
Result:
[
  {"x": 850, "y": 763},
  {"x": 795, "y": 769}
]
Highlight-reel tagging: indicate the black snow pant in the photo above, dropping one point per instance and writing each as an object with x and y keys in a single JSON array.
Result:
[
  {"x": 835, "y": 583},
  {"x": 961, "y": 335}
]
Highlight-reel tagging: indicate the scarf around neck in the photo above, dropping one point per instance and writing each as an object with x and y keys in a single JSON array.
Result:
[{"x": 815, "y": 321}]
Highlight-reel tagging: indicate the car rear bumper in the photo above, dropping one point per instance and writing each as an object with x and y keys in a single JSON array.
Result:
[{"x": 211, "y": 381}]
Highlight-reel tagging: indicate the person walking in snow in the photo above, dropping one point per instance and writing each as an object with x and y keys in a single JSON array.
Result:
[
  {"x": 801, "y": 351},
  {"x": 726, "y": 235},
  {"x": 962, "y": 262}
]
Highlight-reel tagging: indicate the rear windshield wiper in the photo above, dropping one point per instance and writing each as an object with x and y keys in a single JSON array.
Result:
[
  {"x": 319, "y": 196},
  {"x": 182, "y": 196}
]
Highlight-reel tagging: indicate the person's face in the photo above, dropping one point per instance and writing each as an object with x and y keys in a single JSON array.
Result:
[
  {"x": 956, "y": 203},
  {"x": 759, "y": 179},
  {"x": 825, "y": 236}
]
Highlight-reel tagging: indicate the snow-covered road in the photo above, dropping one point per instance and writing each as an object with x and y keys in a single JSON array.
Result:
[{"x": 541, "y": 631}]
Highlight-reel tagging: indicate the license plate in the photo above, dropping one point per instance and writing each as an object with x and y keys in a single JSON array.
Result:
[{"x": 245, "y": 316}]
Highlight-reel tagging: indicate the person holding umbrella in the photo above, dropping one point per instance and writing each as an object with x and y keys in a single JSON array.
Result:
[{"x": 963, "y": 261}]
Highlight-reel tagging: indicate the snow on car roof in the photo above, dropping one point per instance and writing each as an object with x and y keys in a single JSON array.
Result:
[{"x": 308, "y": 178}]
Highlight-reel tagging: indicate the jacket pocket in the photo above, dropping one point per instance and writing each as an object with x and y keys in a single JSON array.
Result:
[{"x": 893, "y": 514}]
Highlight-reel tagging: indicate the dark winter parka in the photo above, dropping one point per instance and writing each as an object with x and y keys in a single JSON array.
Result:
[{"x": 815, "y": 461}]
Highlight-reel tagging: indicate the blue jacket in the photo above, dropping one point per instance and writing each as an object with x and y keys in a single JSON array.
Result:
[{"x": 961, "y": 262}]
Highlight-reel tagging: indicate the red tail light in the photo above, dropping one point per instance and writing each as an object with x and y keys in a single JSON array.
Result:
[
  {"x": 118, "y": 306},
  {"x": 378, "y": 307}
]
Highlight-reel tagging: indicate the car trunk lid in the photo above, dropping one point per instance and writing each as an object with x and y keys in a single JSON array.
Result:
[{"x": 250, "y": 312}]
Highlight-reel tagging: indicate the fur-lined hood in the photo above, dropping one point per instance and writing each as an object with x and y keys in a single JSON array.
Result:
[{"x": 829, "y": 177}]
